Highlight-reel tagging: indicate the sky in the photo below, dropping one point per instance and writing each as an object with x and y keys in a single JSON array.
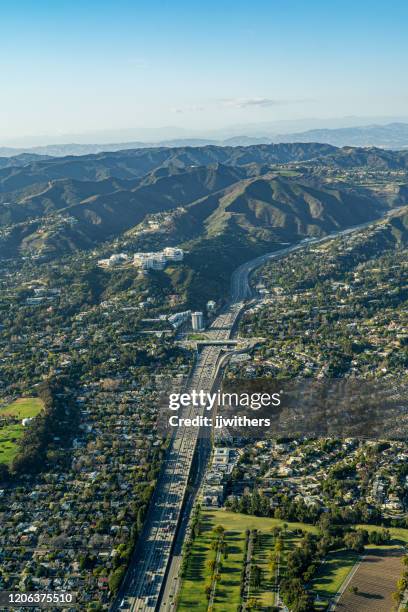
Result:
[{"x": 71, "y": 68}]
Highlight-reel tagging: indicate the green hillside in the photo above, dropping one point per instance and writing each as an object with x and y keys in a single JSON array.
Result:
[{"x": 267, "y": 208}]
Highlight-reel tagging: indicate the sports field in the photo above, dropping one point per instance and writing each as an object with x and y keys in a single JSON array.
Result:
[{"x": 10, "y": 433}]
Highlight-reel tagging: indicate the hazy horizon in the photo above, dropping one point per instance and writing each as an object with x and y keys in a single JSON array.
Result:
[
  {"x": 73, "y": 70},
  {"x": 163, "y": 133}
]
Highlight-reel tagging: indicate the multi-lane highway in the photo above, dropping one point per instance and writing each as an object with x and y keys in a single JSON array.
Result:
[
  {"x": 144, "y": 581},
  {"x": 152, "y": 579}
]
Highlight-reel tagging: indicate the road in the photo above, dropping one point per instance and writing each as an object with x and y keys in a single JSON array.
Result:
[
  {"x": 152, "y": 579},
  {"x": 144, "y": 580}
]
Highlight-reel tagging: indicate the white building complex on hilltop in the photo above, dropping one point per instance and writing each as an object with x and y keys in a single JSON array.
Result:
[
  {"x": 146, "y": 261},
  {"x": 158, "y": 260},
  {"x": 114, "y": 260},
  {"x": 149, "y": 261}
]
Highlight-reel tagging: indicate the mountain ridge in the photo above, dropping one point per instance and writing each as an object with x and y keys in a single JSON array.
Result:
[
  {"x": 265, "y": 193},
  {"x": 393, "y": 135}
]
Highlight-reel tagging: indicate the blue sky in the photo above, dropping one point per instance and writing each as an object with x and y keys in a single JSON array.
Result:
[{"x": 82, "y": 66}]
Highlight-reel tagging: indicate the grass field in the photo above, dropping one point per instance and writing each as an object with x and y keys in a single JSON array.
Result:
[
  {"x": 198, "y": 574},
  {"x": 227, "y": 594},
  {"x": 332, "y": 574},
  {"x": 283, "y": 172},
  {"x": 327, "y": 583},
  {"x": 25, "y": 407},
  {"x": 241, "y": 522},
  {"x": 11, "y": 433},
  {"x": 265, "y": 595}
]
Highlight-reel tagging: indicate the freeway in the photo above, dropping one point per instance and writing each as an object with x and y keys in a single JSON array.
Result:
[
  {"x": 152, "y": 580},
  {"x": 143, "y": 583}
]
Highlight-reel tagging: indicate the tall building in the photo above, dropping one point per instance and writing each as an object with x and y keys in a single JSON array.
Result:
[{"x": 197, "y": 321}]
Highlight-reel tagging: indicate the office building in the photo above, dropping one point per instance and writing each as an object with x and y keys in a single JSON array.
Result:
[{"x": 197, "y": 321}]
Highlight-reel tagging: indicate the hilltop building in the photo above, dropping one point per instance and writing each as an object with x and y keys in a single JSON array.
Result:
[
  {"x": 149, "y": 261},
  {"x": 173, "y": 254},
  {"x": 145, "y": 261},
  {"x": 113, "y": 260},
  {"x": 157, "y": 260}
]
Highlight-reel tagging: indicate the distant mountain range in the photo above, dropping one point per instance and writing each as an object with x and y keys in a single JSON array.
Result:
[
  {"x": 227, "y": 195},
  {"x": 136, "y": 163},
  {"x": 390, "y": 136}
]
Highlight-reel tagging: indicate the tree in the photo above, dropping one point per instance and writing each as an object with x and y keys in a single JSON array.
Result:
[
  {"x": 4, "y": 473},
  {"x": 116, "y": 578},
  {"x": 272, "y": 562},
  {"x": 354, "y": 540},
  {"x": 278, "y": 546},
  {"x": 256, "y": 576},
  {"x": 295, "y": 595}
]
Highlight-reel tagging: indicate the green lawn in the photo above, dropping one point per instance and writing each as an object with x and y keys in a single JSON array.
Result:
[
  {"x": 9, "y": 437},
  {"x": 198, "y": 574},
  {"x": 264, "y": 545},
  {"x": 284, "y": 172},
  {"x": 241, "y": 522},
  {"x": 227, "y": 594},
  {"x": 265, "y": 595},
  {"x": 10, "y": 434},
  {"x": 197, "y": 337},
  {"x": 332, "y": 574},
  {"x": 24, "y": 407}
]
